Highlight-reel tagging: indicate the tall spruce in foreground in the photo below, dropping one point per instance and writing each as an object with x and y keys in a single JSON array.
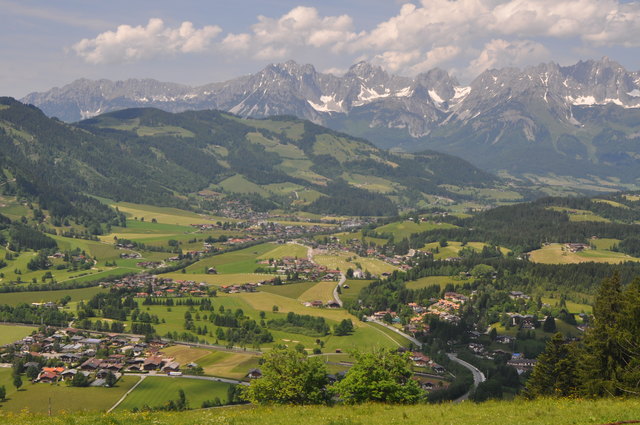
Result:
[
  {"x": 555, "y": 374},
  {"x": 629, "y": 339},
  {"x": 602, "y": 356}
]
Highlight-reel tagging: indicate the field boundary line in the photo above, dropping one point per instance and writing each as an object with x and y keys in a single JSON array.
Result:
[{"x": 142, "y": 378}]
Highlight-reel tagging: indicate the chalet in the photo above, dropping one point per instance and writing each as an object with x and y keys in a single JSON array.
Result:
[
  {"x": 91, "y": 364},
  {"x": 153, "y": 363},
  {"x": 48, "y": 377},
  {"x": 316, "y": 303},
  {"x": 171, "y": 367},
  {"x": 522, "y": 365},
  {"x": 212, "y": 270},
  {"x": 333, "y": 304},
  {"x": 517, "y": 295},
  {"x": 437, "y": 368},
  {"x": 254, "y": 374}
]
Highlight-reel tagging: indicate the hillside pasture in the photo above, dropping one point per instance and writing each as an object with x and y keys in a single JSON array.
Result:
[
  {"x": 15, "y": 298},
  {"x": 404, "y": 229},
  {"x": 322, "y": 291},
  {"x": 240, "y": 261},
  {"x": 289, "y": 290},
  {"x": 339, "y": 260},
  {"x": 441, "y": 281},
  {"x": 556, "y": 253},
  {"x": 353, "y": 291},
  {"x": 9, "y": 333},
  {"x": 221, "y": 279}
]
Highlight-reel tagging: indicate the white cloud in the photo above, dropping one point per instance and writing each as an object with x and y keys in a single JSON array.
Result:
[
  {"x": 463, "y": 34},
  {"x": 501, "y": 53},
  {"x": 129, "y": 43}
]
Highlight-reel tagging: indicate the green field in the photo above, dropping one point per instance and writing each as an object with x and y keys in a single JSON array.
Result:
[
  {"x": 453, "y": 248},
  {"x": 572, "y": 307},
  {"x": 339, "y": 261},
  {"x": 15, "y": 298},
  {"x": 580, "y": 215},
  {"x": 224, "y": 364},
  {"x": 562, "y": 327},
  {"x": 442, "y": 281},
  {"x": 556, "y": 254},
  {"x": 221, "y": 279},
  {"x": 156, "y": 391},
  {"x": 36, "y": 397},
  {"x": 241, "y": 261},
  {"x": 9, "y": 334},
  {"x": 355, "y": 286},
  {"x": 290, "y": 290},
  {"x": 404, "y": 229},
  {"x": 322, "y": 291}
]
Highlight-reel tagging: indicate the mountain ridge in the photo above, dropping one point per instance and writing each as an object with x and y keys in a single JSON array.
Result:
[{"x": 501, "y": 120}]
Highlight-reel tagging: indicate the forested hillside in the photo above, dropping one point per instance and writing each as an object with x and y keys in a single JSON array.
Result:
[{"x": 154, "y": 157}]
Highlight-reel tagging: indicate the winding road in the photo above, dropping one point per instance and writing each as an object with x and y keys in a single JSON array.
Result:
[{"x": 478, "y": 376}]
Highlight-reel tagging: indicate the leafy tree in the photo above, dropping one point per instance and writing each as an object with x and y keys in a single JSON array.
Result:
[
  {"x": 3, "y": 393},
  {"x": 289, "y": 377},
  {"x": 379, "y": 376},
  {"x": 110, "y": 379},
  {"x": 79, "y": 380},
  {"x": 32, "y": 372},
  {"x": 17, "y": 381}
]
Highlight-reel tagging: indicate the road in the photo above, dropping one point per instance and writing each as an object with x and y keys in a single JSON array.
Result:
[
  {"x": 478, "y": 376},
  {"x": 336, "y": 294}
]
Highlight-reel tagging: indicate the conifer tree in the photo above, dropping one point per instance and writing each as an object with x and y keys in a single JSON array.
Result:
[
  {"x": 555, "y": 374},
  {"x": 602, "y": 355}
]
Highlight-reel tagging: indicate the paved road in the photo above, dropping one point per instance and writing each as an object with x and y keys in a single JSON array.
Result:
[
  {"x": 203, "y": 378},
  {"x": 336, "y": 294},
  {"x": 478, "y": 376}
]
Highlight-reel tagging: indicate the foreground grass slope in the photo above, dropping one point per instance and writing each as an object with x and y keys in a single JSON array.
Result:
[{"x": 539, "y": 412}]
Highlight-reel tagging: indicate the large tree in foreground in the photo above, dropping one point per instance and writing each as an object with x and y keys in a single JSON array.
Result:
[
  {"x": 289, "y": 377},
  {"x": 381, "y": 376}
]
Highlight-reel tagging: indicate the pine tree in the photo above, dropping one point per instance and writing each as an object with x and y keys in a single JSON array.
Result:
[
  {"x": 555, "y": 374},
  {"x": 629, "y": 339},
  {"x": 602, "y": 355}
]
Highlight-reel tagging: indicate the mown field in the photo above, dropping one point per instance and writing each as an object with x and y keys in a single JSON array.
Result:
[
  {"x": 453, "y": 248},
  {"x": 442, "y": 281},
  {"x": 344, "y": 261},
  {"x": 15, "y": 298},
  {"x": 404, "y": 229},
  {"x": 234, "y": 365},
  {"x": 517, "y": 412},
  {"x": 9, "y": 334},
  {"x": 157, "y": 391},
  {"x": 555, "y": 253},
  {"x": 36, "y": 398}
]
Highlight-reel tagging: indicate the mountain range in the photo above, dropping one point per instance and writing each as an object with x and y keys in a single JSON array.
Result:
[{"x": 573, "y": 125}]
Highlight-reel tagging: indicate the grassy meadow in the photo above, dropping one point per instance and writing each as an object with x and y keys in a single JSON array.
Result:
[
  {"x": 157, "y": 391},
  {"x": 517, "y": 412},
  {"x": 555, "y": 253},
  {"x": 35, "y": 398}
]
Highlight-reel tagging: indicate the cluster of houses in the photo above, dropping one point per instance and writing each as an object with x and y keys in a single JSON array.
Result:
[
  {"x": 62, "y": 354},
  {"x": 303, "y": 267},
  {"x": 147, "y": 285}
]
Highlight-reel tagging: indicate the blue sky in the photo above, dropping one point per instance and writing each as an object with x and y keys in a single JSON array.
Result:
[{"x": 51, "y": 43}]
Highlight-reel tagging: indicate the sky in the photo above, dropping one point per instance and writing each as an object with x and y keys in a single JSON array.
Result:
[{"x": 45, "y": 44}]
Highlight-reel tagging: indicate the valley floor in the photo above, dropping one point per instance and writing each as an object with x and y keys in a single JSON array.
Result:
[{"x": 519, "y": 412}]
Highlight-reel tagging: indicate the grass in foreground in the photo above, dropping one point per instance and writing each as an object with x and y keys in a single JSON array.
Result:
[{"x": 518, "y": 412}]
